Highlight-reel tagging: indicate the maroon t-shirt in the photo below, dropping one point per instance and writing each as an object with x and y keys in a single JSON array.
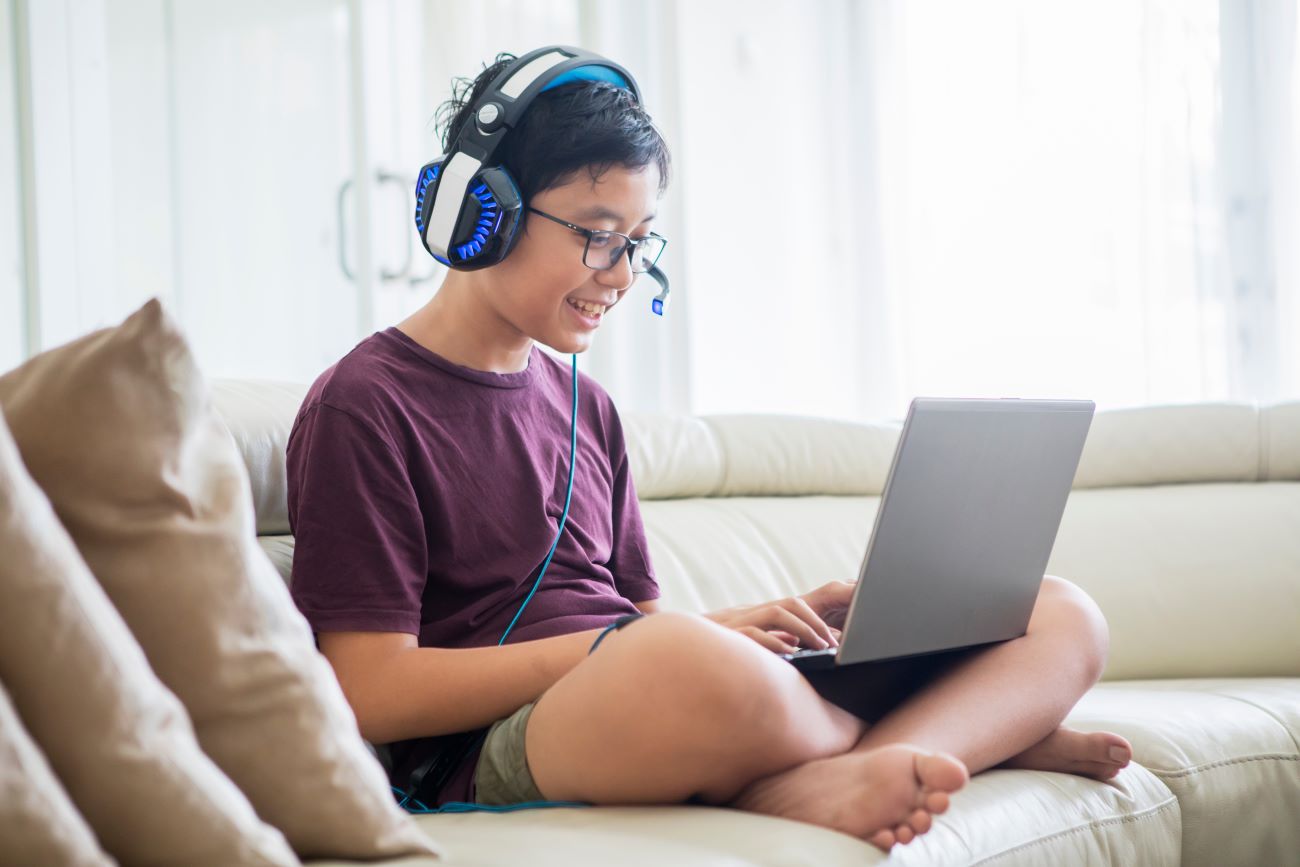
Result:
[{"x": 424, "y": 496}]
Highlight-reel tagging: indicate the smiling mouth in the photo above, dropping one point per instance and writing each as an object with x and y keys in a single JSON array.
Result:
[
  {"x": 586, "y": 316},
  {"x": 594, "y": 311}
]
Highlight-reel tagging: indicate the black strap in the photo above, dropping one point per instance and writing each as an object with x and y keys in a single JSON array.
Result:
[
  {"x": 445, "y": 754},
  {"x": 617, "y": 624}
]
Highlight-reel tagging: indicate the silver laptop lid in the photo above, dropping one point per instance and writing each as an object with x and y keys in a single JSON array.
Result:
[{"x": 966, "y": 524}]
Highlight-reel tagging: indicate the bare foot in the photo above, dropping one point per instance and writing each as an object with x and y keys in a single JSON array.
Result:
[
  {"x": 884, "y": 795},
  {"x": 1099, "y": 755}
]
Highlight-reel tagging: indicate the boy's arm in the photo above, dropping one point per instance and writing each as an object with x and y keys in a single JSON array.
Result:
[
  {"x": 650, "y": 606},
  {"x": 399, "y": 690}
]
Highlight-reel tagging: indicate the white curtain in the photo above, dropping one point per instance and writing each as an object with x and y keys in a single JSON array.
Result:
[
  {"x": 1264, "y": 203},
  {"x": 1073, "y": 199},
  {"x": 934, "y": 197},
  {"x": 871, "y": 200}
]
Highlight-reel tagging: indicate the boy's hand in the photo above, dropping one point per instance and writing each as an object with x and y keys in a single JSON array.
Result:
[
  {"x": 831, "y": 601},
  {"x": 780, "y": 625}
]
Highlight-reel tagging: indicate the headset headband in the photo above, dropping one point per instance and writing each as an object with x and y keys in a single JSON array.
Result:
[
  {"x": 498, "y": 110},
  {"x": 507, "y": 98}
]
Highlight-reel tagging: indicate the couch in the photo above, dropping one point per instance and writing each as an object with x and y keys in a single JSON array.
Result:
[{"x": 1183, "y": 524}]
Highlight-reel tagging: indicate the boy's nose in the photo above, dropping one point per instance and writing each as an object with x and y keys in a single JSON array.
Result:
[{"x": 620, "y": 276}]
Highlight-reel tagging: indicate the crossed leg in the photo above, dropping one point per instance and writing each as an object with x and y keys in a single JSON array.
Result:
[
  {"x": 998, "y": 707},
  {"x": 675, "y": 706}
]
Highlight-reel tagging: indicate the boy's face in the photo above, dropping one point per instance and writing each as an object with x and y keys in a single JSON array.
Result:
[{"x": 534, "y": 287}]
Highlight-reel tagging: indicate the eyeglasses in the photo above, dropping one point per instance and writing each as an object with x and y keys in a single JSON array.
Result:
[{"x": 604, "y": 248}]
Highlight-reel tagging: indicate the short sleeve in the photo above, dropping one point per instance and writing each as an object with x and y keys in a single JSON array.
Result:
[
  {"x": 630, "y": 563},
  {"x": 360, "y": 557}
]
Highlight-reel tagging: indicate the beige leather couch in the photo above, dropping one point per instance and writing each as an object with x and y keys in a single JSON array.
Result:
[{"x": 1184, "y": 525}]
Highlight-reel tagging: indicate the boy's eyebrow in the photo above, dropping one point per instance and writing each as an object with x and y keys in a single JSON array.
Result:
[{"x": 600, "y": 212}]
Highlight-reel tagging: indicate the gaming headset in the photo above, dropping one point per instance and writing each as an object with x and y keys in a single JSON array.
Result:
[{"x": 468, "y": 209}]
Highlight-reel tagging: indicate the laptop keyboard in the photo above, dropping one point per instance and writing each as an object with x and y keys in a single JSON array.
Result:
[{"x": 810, "y": 651}]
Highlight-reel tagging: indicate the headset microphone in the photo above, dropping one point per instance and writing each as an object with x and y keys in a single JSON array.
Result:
[{"x": 660, "y": 301}]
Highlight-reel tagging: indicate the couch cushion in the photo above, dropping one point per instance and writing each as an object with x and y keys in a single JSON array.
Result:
[
  {"x": 1195, "y": 580},
  {"x": 259, "y": 414},
  {"x": 119, "y": 430},
  {"x": 712, "y": 552},
  {"x": 279, "y": 549},
  {"x": 1229, "y": 749},
  {"x": 1001, "y": 818}
]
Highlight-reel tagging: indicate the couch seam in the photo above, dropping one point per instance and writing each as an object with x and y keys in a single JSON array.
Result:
[
  {"x": 1268, "y": 713},
  {"x": 1261, "y": 468},
  {"x": 1149, "y": 813},
  {"x": 725, "y": 481},
  {"x": 1265, "y": 757}
]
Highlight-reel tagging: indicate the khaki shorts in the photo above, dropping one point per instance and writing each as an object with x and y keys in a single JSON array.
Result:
[{"x": 502, "y": 775}]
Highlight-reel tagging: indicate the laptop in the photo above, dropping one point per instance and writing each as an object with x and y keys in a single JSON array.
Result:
[{"x": 966, "y": 523}]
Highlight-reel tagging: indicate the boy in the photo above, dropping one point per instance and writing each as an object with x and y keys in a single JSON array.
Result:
[{"x": 427, "y": 473}]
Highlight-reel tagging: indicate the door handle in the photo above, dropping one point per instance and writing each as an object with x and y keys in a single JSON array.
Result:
[
  {"x": 341, "y": 204},
  {"x": 389, "y": 178},
  {"x": 343, "y": 235}
]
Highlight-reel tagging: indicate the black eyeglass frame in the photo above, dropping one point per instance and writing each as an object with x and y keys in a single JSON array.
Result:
[{"x": 632, "y": 243}]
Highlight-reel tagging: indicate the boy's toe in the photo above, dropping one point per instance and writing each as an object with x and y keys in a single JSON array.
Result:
[
  {"x": 941, "y": 772},
  {"x": 884, "y": 839},
  {"x": 935, "y": 802},
  {"x": 1121, "y": 752}
]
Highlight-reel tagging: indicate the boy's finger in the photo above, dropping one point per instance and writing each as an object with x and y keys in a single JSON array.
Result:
[
  {"x": 802, "y": 609},
  {"x": 790, "y": 621},
  {"x": 767, "y": 640}
]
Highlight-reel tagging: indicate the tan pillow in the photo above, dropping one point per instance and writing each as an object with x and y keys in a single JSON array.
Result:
[
  {"x": 119, "y": 741},
  {"x": 38, "y": 824},
  {"x": 119, "y": 430}
]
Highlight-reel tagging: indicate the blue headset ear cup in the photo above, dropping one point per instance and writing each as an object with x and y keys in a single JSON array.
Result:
[{"x": 489, "y": 221}]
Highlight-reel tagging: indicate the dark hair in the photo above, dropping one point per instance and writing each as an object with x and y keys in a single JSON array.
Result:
[{"x": 583, "y": 124}]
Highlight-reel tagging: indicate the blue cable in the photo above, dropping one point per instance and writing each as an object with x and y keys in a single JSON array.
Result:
[
  {"x": 462, "y": 806},
  {"x": 573, "y": 448}
]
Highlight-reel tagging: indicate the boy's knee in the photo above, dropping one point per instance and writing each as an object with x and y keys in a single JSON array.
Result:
[
  {"x": 678, "y": 645},
  {"x": 706, "y": 667},
  {"x": 1071, "y": 605}
]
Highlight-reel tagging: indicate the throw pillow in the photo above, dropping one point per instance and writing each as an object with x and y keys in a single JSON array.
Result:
[
  {"x": 118, "y": 740},
  {"x": 38, "y": 824},
  {"x": 119, "y": 430}
]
